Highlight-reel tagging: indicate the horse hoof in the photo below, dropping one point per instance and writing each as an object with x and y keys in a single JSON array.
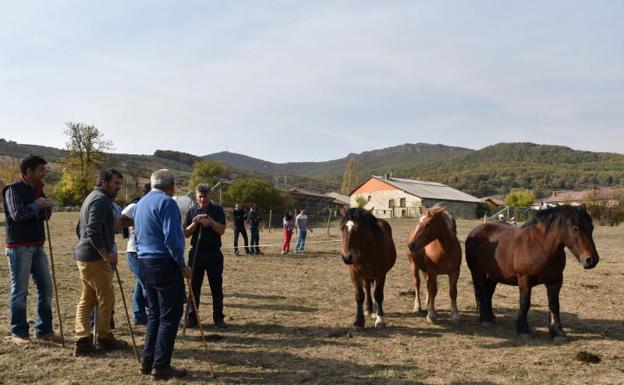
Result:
[
  {"x": 432, "y": 318},
  {"x": 358, "y": 327},
  {"x": 380, "y": 325},
  {"x": 487, "y": 324},
  {"x": 367, "y": 313},
  {"x": 524, "y": 336},
  {"x": 455, "y": 317},
  {"x": 560, "y": 340}
]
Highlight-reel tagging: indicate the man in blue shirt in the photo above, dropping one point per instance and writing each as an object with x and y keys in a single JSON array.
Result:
[{"x": 160, "y": 246}]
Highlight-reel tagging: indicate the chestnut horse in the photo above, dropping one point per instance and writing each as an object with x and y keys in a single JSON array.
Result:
[
  {"x": 434, "y": 249},
  {"x": 368, "y": 250},
  {"x": 528, "y": 256}
]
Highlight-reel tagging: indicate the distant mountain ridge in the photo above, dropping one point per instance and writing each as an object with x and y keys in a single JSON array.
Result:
[{"x": 491, "y": 170}]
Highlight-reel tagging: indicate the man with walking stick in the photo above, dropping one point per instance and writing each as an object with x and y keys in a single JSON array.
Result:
[
  {"x": 26, "y": 208},
  {"x": 96, "y": 260},
  {"x": 209, "y": 219},
  {"x": 160, "y": 245}
]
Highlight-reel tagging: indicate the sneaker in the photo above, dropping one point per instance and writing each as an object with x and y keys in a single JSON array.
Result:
[
  {"x": 139, "y": 322},
  {"x": 84, "y": 347},
  {"x": 51, "y": 337},
  {"x": 167, "y": 373},
  {"x": 20, "y": 341},
  {"x": 111, "y": 343}
]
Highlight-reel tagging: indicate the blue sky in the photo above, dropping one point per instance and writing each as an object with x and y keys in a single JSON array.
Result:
[{"x": 298, "y": 81}]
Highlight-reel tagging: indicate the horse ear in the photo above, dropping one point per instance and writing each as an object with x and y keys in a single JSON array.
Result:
[
  {"x": 343, "y": 211},
  {"x": 428, "y": 213},
  {"x": 370, "y": 211}
]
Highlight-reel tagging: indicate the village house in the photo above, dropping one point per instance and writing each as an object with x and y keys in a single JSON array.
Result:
[{"x": 400, "y": 198}]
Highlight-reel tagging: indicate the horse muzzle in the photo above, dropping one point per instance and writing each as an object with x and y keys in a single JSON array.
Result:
[
  {"x": 415, "y": 246},
  {"x": 348, "y": 259},
  {"x": 590, "y": 262}
]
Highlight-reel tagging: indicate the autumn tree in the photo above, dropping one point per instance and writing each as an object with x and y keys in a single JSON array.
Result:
[
  {"x": 349, "y": 177},
  {"x": 86, "y": 153}
]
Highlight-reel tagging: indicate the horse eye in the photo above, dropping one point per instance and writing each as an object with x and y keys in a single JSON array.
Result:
[{"x": 575, "y": 229}]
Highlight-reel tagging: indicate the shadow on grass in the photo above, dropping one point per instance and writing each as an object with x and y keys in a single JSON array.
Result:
[{"x": 270, "y": 367}]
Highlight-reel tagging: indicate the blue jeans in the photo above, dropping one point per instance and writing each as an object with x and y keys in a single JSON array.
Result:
[
  {"x": 24, "y": 261},
  {"x": 301, "y": 240},
  {"x": 139, "y": 301},
  {"x": 165, "y": 294}
]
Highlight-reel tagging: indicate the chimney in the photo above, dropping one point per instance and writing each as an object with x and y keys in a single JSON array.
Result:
[
  {"x": 390, "y": 174},
  {"x": 386, "y": 176}
]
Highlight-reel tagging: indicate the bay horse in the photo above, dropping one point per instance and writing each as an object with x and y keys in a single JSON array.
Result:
[
  {"x": 434, "y": 249},
  {"x": 528, "y": 256},
  {"x": 368, "y": 250}
]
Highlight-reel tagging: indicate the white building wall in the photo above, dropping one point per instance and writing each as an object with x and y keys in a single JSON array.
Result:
[{"x": 379, "y": 200}]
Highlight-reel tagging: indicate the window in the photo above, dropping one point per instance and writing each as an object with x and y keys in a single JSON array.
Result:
[
  {"x": 369, "y": 197},
  {"x": 402, "y": 202},
  {"x": 391, "y": 203}
]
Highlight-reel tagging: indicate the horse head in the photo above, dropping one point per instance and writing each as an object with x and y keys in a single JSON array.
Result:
[
  {"x": 431, "y": 225},
  {"x": 353, "y": 227}
]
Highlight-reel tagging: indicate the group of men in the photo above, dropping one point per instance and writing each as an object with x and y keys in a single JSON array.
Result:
[{"x": 155, "y": 253}]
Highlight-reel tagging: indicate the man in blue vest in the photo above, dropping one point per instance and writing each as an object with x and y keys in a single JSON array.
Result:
[
  {"x": 160, "y": 246},
  {"x": 26, "y": 208}
]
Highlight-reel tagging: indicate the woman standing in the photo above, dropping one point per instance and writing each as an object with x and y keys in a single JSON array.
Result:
[{"x": 288, "y": 223}]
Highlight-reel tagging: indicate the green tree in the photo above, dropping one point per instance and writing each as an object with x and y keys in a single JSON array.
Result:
[
  {"x": 361, "y": 201},
  {"x": 520, "y": 199},
  {"x": 348, "y": 178},
  {"x": 85, "y": 156},
  {"x": 257, "y": 191},
  {"x": 206, "y": 171}
]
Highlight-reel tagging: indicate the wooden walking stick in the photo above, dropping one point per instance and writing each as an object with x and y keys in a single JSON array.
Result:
[
  {"x": 190, "y": 289},
  {"x": 56, "y": 295},
  {"x": 123, "y": 298},
  {"x": 201, "y": 331}
]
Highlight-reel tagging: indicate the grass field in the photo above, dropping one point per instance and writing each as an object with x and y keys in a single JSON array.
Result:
[{"x": 290, "y": 320}]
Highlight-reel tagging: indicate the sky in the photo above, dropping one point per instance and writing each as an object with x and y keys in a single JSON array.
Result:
[{"x": 313, "y": 80}]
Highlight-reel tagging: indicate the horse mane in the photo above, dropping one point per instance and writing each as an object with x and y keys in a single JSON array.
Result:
[
  {"x": 562, "y": 214},
  {"x": 439, "y": 208}
]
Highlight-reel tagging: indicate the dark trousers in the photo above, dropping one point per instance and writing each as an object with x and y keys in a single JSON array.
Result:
[
  {"x": 255, "y": 239},
  {"x": 243, "y": 232},
  {"x": 164, "y": 287},
  {"x": 210, "y": 263}
]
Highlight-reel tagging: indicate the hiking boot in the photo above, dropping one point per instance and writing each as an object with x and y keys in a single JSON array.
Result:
[
  {"x": 111, "y": 343},
  {"x": 167, "y": 373},
  {"x": 84, "y": 347},
  {"x": 191, "y": 322},
  {"x": 20, "y": 341},
  {"x": 146, "y": 367},
  {"x": 51, "y": 337}
]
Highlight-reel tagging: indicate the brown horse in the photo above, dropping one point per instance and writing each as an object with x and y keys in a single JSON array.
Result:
[
  {"x": 528, "y": 256},
  {"x": 434, "y": 249},
  {"x": 368, "y": 250}
]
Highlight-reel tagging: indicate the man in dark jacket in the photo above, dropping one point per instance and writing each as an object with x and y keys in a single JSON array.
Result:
[
  {"x": 239, "y": 227},
  {"x": 254, "y": 227},
  {"x": 25, "y": 209},
  {"x": 95, "y": 258}
]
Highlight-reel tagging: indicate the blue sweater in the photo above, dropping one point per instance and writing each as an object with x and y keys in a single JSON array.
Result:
[{"x": 158, "y": 228}]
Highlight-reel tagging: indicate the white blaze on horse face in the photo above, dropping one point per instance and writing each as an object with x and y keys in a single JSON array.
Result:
[{"x": 349, "y": 225}]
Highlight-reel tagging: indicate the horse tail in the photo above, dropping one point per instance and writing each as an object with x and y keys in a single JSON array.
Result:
[{"x": 471, "y": 261}]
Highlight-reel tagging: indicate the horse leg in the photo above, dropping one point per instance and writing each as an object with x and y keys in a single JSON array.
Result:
[
  {"x": 453, "y": 278},
  {"x": 369, "y": 299},
  {"x": 379, "y": 297},
  {"x": 522, "y": 324},
  {"x": 432, "y": 291},
  {"x": 490, "y": 288},
  {"x": 359, "y": 299},
  {"x": 555, "y": 329},
  {"x": 416, "y": 275}
]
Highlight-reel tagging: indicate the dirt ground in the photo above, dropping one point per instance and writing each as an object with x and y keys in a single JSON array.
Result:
[{"x": 290, "y": 318}]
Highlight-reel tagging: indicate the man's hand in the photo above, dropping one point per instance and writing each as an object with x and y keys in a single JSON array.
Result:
[
  {"x": 207, "y": 222},
  {"x": 199, "y": 218},
  {"x": 186, "y": 272},
  {"x": 43, "y": 203},
  {"x": 111, "y": 258}
]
